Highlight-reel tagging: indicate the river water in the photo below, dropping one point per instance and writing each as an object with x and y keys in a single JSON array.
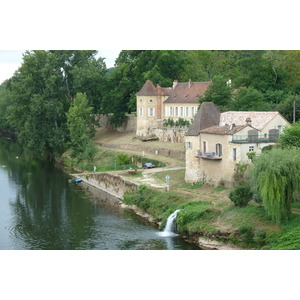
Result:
[{"x": 41, "y": 210}]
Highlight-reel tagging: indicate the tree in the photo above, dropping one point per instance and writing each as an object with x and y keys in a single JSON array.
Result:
[
  {"x": 248, "y": 99},
  {"x": 291, "y": 136},
  {"x": 275, "y": 178},
  {"x": 218, "y": 92},
  {"x": 286, "y": 107},
  {"x": 41, "y": 93},
  {"x": 80, "y": 124}
]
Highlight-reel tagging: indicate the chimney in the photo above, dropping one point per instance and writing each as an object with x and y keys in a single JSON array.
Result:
[
  {"x": 248, "y": 121},
  {"x": 175, "y": 83},
  {"x": 228, "y": 82},
  {"x": 190, "y": 83}
]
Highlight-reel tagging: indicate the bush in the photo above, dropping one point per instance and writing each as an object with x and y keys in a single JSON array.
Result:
[
  {"x": 241, "y": 195},
  {"x": 246, "y": 234},
  {"x": 123, "y": 159}
]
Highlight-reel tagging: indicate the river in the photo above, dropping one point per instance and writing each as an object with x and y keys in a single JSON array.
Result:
[{"x": 41, "y": 210}]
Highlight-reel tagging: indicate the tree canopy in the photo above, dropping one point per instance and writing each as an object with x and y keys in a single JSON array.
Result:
[{"x": 43, "y": 89}]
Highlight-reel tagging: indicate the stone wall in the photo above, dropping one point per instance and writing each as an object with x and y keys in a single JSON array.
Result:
[
  {"x": 168, "y": 134},
  {"x": 129, "y": 124},
  {"x": 115, "y": 185},
  {"x": 177, "y": 154}
]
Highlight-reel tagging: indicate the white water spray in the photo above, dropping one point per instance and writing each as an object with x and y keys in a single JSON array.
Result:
[{"x": 169, "y": 225}]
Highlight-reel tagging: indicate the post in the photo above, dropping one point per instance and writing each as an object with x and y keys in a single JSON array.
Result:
[
  {"x": 168, "y": 183},
  {"x": 294, "y": 112}
]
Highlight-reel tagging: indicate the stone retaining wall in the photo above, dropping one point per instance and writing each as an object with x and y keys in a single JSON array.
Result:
[
  {"x": 115, "y": 185},
  {"x": 129, "y": 124},
  {"x": 168, "y": 134},
  {"x": 177, "y": 154}
]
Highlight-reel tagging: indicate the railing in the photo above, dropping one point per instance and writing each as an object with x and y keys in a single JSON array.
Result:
[
  {"x": 254, "y": 138},
  {"x": 208, "y": 155}
]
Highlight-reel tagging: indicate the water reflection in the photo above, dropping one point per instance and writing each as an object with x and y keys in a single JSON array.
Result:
[{"x": 41, "y": 210}]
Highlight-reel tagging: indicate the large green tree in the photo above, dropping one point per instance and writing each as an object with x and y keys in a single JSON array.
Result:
[
  {"x": 248, "y": 99},
  {"x": 80, "y": 124},
  {"x": 219, "y": 92},
  {"x": 275, "y": 178},
  {"x": 41, "y": 93}
]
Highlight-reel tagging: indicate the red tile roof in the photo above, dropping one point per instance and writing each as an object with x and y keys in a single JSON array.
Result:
[
  {"x": 188, "y": 92},
  {"x": 184, "y": 92}
]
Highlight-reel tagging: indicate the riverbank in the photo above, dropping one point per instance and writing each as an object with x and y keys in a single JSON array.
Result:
[{"x": 214, "y": 222}]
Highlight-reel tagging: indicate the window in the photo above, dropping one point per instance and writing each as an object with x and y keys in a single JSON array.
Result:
[
  {"x": 141, "y": 112},
  {"x": 204, "y": 146},
  {"x": 219, "y": 150},
  {"x": 151, "y": 112},
  {"x": 181, "y": 111},
  {"x": 171, "y": 111},
  {"x": 251, "y": 148},
  {"x": 234, "y": 154},
  {"x": 193, "y": 111},
  {"x": 186, "y": 111},
  {"x": 176, "y": 111},
  {"x": 151, "y": 100},
  {"x": 189, "y": 145}
]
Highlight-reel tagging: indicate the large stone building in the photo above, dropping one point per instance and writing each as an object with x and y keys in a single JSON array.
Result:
[
  {"x": 216, "y": 141},
  {"x": 154, "y": 104}
]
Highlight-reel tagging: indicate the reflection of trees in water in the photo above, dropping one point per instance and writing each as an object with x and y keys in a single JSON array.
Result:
[{"x": 49, "y": 213}]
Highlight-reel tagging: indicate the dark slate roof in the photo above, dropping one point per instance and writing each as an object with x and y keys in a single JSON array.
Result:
[
  {"x": 224, "y": 130},
  {"x": 188, "y": 92},
  {"x": 208, "y": 115}
]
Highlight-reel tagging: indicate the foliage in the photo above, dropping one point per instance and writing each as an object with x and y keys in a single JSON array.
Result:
[
  {"x": 218, "y": 92},
  {"x": 248, "y": 98},
  {"x": 251, "y": 155},
  {"x": 290, "y": 136},
  {"x": 267, "y": 148},
  {"x": 286, "y": 107},
  {"x": 80, "y": 124},
  {"x": 289, "y": 236},
  {"x": 240, "y": 176},
  {"x": 178, "y": 123},
  {"x": 41, "y": 92},
  {"x": 123, "y": 159},
  {"x": 241, "y": 195},
  {"x": 275, "y": 178}
]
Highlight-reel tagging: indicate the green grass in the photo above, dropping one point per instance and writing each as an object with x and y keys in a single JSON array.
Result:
[
  {"x": 108, "y": 160},
  {"x": 288, "y": 238}
]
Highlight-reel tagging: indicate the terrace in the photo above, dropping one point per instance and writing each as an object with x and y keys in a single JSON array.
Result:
[
  {"x": 267, "y": 138},
  {"x": 208, "y": 155}
]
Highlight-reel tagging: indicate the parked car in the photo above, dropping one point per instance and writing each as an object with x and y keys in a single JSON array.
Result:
[{"x": 148, "y": 166}]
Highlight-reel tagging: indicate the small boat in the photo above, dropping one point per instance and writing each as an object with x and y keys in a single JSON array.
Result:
[{"x": 77, "y": 180}]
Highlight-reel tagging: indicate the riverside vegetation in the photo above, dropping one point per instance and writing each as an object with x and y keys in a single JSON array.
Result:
[{"x": 205, "y": 211}]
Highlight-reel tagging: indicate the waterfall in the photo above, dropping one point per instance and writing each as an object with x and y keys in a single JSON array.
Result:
[{"x": 170, "y": 224}]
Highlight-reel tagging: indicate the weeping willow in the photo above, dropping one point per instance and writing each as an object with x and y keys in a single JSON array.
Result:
[{"x": 275, "y": 177}]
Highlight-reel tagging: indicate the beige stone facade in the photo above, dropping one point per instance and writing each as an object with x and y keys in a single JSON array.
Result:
[
  {"x": 212, "y": 152},
  {"x": 154, "y": 104}
]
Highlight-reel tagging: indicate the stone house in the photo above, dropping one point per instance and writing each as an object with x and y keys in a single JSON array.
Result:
[
  {"x": 154, "y": 104},
  {"x": 216, "y": 141}
]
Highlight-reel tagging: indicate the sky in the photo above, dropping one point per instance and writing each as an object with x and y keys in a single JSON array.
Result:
[{"x": 11, "y": 60}]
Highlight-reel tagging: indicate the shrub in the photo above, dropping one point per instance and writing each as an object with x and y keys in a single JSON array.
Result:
[
  {"x": 241, "y": 195},
  {"x": 246, "y": 234},
  {"x": 123, "y": 159}
]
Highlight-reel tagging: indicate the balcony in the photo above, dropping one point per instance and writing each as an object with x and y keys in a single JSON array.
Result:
[
  {"x": 207, "y": 155},
  {"x": 240, "y": 139}
]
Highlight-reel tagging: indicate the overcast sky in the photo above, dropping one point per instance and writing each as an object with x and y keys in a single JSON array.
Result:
[{"x": 11, "y": 60}]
